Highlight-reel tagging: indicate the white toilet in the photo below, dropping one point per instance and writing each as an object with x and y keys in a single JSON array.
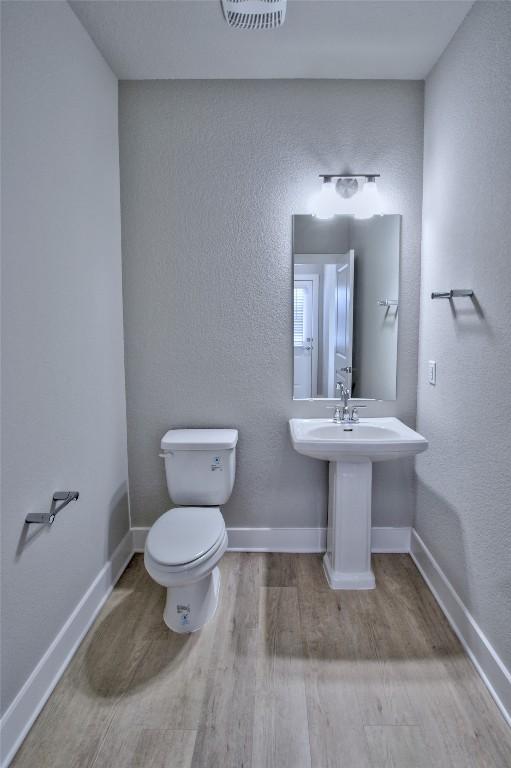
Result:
[{"x": 185, "y": 544}]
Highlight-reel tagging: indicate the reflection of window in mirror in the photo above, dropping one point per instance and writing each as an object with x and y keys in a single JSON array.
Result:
[
  {"x": 345, "y": 270},
  {"x": 299, "y": 311}
]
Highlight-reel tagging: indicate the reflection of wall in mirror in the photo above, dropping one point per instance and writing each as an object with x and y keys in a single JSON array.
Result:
[{"x": 376, "y": 244}]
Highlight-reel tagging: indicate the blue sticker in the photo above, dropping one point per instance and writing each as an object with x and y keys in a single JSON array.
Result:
[{"x": 184, "y": 614}]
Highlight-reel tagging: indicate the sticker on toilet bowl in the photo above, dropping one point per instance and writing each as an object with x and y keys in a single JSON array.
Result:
[
  {"x": 217, "y": 464},
  {"x": 184, "y": 614}
]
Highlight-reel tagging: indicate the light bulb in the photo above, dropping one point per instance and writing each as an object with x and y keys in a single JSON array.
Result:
[
  {"x": 325, "y": 203},
  {"x": 368, "y": 201}
]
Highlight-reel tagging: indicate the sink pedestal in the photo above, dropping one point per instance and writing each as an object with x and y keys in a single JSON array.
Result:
[
  {"x": 351, "y": 451},
  {"x": 347, "y": 562}
]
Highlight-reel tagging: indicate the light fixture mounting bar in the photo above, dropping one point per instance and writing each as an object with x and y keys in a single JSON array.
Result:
[{"x": 349, "y": 175}]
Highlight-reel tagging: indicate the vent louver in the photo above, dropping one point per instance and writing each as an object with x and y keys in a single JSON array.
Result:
[{"x": 254, "y": 14}]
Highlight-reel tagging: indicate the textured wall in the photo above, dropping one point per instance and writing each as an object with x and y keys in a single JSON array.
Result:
[
  {"x": 63, "y": 402},
  {"x": 211, "y": 173},
  {"x": 464, "y": 479}
]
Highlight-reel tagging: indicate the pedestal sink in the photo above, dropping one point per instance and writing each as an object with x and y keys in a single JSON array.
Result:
[{"x": 351, "y": 450}]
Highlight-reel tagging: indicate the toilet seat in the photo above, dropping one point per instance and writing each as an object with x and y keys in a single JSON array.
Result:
[
  {"x": 179, "y": 575},
  {"x": 184, "y": 537}
]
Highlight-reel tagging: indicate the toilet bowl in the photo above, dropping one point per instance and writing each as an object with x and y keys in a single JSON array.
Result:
[
  {"x": 184, "y": 546},
  {"x": 182, "y": 553}
]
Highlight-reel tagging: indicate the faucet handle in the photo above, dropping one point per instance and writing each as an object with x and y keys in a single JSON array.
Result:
[
  {"x": 354, "y": 412},
  {"x": 337, "y": 409}
]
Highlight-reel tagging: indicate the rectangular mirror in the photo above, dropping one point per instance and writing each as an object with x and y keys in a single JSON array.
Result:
[{"x": 345, "y": 306}]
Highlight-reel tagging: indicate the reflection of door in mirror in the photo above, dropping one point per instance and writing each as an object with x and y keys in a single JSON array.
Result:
[
  {"x": 344, "y": 334},
  {"x": 305, "y": 334}
]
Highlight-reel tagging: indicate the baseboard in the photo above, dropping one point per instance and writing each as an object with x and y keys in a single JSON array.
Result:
[
  {"x": 22, "y": 712},
  {"x": 494, "y": 673},
  {"x": 277, "y": 539},
  {"x": 394, "y": 540},
  {"x": 260, "y": 539},
  {"x": 295, "y": 539},
  {"x": 139, "y": 535}
]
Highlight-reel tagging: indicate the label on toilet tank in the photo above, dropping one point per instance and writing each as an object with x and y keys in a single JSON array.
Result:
[{"x": 216, "y": 464}]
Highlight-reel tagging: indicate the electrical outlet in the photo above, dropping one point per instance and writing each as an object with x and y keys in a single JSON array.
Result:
[{"x": 432, "y": 372}]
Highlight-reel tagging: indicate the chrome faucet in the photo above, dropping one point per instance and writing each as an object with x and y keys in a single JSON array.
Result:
[
  {"x": 345, "y": 397},
  {"x": 346, "y": 414}
]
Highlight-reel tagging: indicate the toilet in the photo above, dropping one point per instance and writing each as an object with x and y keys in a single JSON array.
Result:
[{"x": 184, "y": 546}]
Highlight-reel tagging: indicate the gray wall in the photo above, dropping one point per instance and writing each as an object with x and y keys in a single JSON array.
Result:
[
  {"x": 63, "y": 403},
  {"x": 211, "y": 173},
  {"x": 464, "y": 479}
]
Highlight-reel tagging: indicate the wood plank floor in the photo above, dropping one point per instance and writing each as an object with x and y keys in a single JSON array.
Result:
[{"x": 287, "y": 675}]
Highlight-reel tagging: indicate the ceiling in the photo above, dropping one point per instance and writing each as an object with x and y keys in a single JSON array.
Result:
[{"x": 145, "y": 39}]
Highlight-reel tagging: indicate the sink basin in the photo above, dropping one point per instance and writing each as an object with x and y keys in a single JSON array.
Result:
[
  {"x": 370, "y": 439},
  {"x": 351, "y": 450}
]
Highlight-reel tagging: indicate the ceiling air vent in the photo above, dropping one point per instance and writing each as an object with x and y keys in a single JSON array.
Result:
[{"x": 254, "y": 14}]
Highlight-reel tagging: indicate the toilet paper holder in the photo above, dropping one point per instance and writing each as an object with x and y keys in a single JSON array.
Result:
[{"x": 47, "y": 518}]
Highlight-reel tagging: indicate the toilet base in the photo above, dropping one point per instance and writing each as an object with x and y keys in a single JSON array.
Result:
[{"x": 189, "y": 607}]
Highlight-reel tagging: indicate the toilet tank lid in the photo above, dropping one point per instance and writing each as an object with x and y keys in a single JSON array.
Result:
[{"x": 199, "y": 439}]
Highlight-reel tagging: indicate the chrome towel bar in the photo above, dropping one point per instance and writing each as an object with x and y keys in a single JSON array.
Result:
[
  {"x": 47, "y": 518},
  {"x": 452, "y": 294}
]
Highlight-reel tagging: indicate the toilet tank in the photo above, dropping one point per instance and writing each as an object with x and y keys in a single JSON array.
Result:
[{"x": 200, "y": 465}]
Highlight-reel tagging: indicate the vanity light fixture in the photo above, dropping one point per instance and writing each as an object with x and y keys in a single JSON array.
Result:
[
  {"x": 347, "y": 196},
  {"x": 368, "y": 203},
  {"x": 326, "y": 202}
]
